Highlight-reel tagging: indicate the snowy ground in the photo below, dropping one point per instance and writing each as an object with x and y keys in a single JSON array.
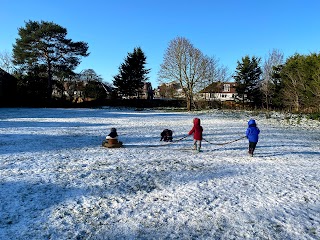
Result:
[{"x": 57, "y": 182}]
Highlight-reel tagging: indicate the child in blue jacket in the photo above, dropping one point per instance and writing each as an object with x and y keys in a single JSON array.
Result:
[{"x": 252, "y": 134}]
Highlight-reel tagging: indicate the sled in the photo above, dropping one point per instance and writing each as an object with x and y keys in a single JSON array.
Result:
[{"x": 112, "y": 143}]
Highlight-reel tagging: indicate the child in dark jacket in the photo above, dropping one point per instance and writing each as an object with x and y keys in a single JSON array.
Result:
[
  {"x": 197, "y": 134},
  {"x": 166, "y": 135},
  {"x": 113, "y": 134},
  {"x": 252, "y": 135},
  {"x": 112, "y": 140}
]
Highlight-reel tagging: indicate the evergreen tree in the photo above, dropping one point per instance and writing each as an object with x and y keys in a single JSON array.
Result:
[
  {"x": 44, "y": 46},
  {"x": 132, "y": 74},
  {"x": 300, "y": 76},
  {"x": 247, "y": 77},
  {"x": 278, "y": 86}
]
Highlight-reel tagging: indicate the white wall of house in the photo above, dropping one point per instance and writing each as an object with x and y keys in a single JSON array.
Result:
[
  {"x": 218, "y": 96},
  {"x": 227, "y": 93}
]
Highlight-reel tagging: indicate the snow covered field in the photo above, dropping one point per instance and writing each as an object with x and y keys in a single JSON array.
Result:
[{"x": 57, "y": 182}]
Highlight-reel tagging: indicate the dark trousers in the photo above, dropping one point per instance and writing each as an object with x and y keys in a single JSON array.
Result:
[{"x": 252, "y": 147}]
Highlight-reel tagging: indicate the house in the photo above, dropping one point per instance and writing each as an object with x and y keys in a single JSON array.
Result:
[
  {"x": 219, "y": 91},
  {"x": 171, "y": 90},
  {"x": 75, "y": 90},
  {"x": 147, "y": 91}
]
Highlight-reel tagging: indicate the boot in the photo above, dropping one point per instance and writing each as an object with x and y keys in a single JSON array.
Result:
[{"x": 250, "y": 152}]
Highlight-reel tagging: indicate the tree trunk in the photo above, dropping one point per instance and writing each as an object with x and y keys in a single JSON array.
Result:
[
  {"x": 296, "y": 103},
  {"x": 189, "y": 104},
  {"x": 49, "y": 87},
  {"x": 267, "y": 102},
  {"x": 243, "y": 102}
]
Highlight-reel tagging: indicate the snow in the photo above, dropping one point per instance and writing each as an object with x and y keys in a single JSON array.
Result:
[{"x": 57, "y": 182}]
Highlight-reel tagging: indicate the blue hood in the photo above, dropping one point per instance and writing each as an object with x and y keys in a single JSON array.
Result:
[{"x": 251, "y": 122}]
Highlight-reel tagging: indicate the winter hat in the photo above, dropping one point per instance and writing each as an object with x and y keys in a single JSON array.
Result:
[
  {"x": 113, "y": 130},
  {"x": 251, "y": 122}
]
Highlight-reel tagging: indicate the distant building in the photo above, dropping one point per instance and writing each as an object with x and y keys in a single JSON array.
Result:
[
  {"x": 219, "y": 91},
  {"x": 147, "y": 91},
  {"x": 74, "y": 90},
  {"x": 171, "y": 90}
]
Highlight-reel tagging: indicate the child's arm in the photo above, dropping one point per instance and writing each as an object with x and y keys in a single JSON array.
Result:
[{"x": 247, "y": 132}]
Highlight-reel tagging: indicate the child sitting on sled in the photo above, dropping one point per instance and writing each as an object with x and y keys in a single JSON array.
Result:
[
  {"x": 113, "y": 134},
  {"x": 112, "y": 139},
  {"x": 166, "y": 135}
]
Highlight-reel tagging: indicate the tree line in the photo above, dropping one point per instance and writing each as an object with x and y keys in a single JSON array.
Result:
[
  {"x": 292, "y": 84},
  {"x": 44, "y": 57}
]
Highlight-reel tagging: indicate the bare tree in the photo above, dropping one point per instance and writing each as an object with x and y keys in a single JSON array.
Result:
[
  {"x": 217, "y": 72},
  {"x": 295, "y": 86},
  {"x": 275, "y": 58},
  {"x": 315, "y": 88},
  {"x": 187, "y": 65},
  {"x": 90, "y": 75},
  {"x": 6, "y": 63}
]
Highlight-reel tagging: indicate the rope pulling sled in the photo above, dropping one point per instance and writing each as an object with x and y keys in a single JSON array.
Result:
[
  {"x": 167, "y": 143},
  {"x": 178, "y": 140},
  {"x": 225, "y": 142},
  {"x": 117, "y": 144}
]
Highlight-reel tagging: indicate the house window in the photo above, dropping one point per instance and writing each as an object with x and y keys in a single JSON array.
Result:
[{"x": 226, "y": 87}]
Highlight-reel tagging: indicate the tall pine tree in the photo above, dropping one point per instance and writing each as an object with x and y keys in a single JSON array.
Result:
[
  {"x": 132, "y": 74},
  {"x": 247, "y": 77},
  {"x": 43, "y": 49}
]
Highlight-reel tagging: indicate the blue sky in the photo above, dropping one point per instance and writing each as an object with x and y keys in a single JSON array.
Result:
[{"x": 227, "y": 30}]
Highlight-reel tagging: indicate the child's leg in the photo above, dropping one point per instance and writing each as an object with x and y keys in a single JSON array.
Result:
[
  {"x": 199, "y": 145},
  {"x": 250, "y": 148},
  {"x": 194, "y": 144},
  {"x": 254, "y": 146}
]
